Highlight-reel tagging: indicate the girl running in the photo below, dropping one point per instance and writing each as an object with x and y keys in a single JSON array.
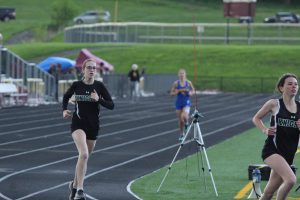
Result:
[
  {"x": 282, "y": 137},
  {"x": 89, "y": 95},
  {"x": 183, "y": 89}
]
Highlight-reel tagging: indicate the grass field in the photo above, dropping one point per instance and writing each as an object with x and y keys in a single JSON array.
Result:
[
  {"x": 34, "y": 16},
  {"x": 229, "y": 163},
  {"x": 238, "y": 67}
]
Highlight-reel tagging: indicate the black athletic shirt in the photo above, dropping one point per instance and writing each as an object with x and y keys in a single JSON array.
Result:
[
  {"x": 84, "y": 106},
  {"x": 287, "y": 133}
]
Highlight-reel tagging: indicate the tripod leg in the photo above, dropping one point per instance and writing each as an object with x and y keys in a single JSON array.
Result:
[
  {"x": 170, "y": 166},
  {"x": 203, "y": 169},
  {"x": 199, "y": 148},
  {"x": 206, "y": 157}
]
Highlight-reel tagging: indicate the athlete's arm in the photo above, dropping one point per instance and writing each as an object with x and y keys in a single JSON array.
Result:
[
  {"x": 105, "y": 98},
  {"x": 173, "y": 90},
  {"x": 192, "y": 90},
  {"x": 67, "y": 96},
  {"x": 269, "y": 106}
]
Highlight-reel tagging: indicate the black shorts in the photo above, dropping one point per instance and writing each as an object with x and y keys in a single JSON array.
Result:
[
  {"x": 89, "y": 126},
  {"x": 270, "y": 149}
]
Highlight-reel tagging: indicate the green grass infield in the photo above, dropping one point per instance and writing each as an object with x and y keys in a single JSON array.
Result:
[{"x": 229, "y": 162}]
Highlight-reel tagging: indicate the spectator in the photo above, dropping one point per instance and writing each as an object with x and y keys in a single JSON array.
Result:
[
  {"x": 134, "y": 79},
  {"x": 70, "y": 74}
]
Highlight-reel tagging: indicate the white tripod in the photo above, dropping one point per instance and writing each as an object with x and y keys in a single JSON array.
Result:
[{"x": 199, "y": 140}]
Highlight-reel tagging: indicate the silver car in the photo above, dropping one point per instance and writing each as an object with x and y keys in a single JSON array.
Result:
[{"x": 90, "y": 17}]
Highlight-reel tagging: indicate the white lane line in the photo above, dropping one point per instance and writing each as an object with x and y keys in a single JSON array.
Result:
[
  {"x": 110, "y": 116},
  {"x": 34, "y": 128},
  {"x": 68, "y": 122},
  {"x": 123, "y": 131},
  {"x": 90, "y": 197},
  {"x": 28, "y": 116},
  {"x": 101, "y": 171},
  {"x": 0, "y": 193},
  {"x": 35, "y": 150},
  {"x": 64, "y": 132},
  {"x": 161, "y": 106},
  {"x": 28, "y": 122},
  {"x": 127, "y": 130},
  {"x": 34, "y": 138},
  {"x": 128, "y": 188},
  {"x": 123, "y": 163},
  {"x": 114, "y": 123},
  {"x": 74, "y": 157}
]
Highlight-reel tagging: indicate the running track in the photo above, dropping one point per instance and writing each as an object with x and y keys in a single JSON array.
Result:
[{"x": 37, "y": 155}]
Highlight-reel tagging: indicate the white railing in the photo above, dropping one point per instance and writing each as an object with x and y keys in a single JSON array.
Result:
[
  {"x": 38, "y": 84},
  {"x": 148, "y": 32}
]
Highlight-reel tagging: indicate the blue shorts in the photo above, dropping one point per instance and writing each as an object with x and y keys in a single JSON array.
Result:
[{"x": 182, "y": 103}]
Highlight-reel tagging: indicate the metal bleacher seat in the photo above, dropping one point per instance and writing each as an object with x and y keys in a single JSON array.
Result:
[{"x": 10, "y": 95}]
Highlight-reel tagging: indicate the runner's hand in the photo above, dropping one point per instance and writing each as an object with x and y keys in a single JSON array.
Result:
[
  {"x": 94, "y": 96},
  {"x": 67, "y": 114},
  {"x": 298, "y": 123},
  {"x": 270, "y": 131}
]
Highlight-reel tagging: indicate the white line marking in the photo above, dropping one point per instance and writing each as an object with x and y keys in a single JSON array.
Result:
[
  {"x": 106, "y": 168},
  {"x": 128, "y": 188},
  {"x": 118, "y": 132},
  {"x": 113, "y": 166}
]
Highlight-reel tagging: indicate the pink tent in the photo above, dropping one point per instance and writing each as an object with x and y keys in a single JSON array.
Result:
[{"x": 84, "y": 54}]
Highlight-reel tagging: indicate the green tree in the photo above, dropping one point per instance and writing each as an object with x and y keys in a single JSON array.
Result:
[{"x": 62, "y": 11}]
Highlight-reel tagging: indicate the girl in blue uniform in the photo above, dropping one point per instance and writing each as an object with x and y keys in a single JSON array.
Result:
[
  {"x": 183, "y": 89},
  {"x": 89, "y": 95},
  {"x": 282, "y": 137}
]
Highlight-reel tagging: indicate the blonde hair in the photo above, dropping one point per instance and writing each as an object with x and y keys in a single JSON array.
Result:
[{"x": 87, "y": 60}]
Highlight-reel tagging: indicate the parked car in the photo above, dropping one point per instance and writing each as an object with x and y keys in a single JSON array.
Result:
[
  {"x": 283, "y": 17},
  {"x": 7, "y": 14},
  {"x": 91, "y": 16},
  {"x": 245, "y": 19}
]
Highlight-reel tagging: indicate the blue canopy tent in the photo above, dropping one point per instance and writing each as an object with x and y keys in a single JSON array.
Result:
[{"x": 65, "y": 63}]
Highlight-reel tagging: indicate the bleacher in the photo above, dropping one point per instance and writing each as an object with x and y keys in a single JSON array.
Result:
[
  {"x": 23, "y": 83},
  {"x": 12, "y": 93}
]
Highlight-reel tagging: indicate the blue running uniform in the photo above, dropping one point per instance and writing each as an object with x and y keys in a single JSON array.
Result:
[{"x": 183, "y": 97}]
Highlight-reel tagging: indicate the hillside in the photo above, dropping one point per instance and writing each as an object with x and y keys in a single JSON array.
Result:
[{"x": 33, "y": 17}]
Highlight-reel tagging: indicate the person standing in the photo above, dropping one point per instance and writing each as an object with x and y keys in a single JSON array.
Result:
[
  {"x": 134, "y": 79},
  {"x": 89, "y": 95},
  {"x": 183, "y": 89},
  {"x": 282, "y": 137}
]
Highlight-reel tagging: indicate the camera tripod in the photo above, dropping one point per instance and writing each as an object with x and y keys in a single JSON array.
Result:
[{"x": 201, "y": 147}]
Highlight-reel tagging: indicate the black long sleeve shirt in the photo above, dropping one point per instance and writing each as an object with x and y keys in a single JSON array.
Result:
[{"x": 85, "y": 107}]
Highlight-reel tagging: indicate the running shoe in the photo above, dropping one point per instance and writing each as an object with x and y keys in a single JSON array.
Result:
[
  {"x": 186, "y": 125},
  {"x": 181, "y": 137},
  {"x": 80, "y": 195},
  {"x": 72, "y": 191}
]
